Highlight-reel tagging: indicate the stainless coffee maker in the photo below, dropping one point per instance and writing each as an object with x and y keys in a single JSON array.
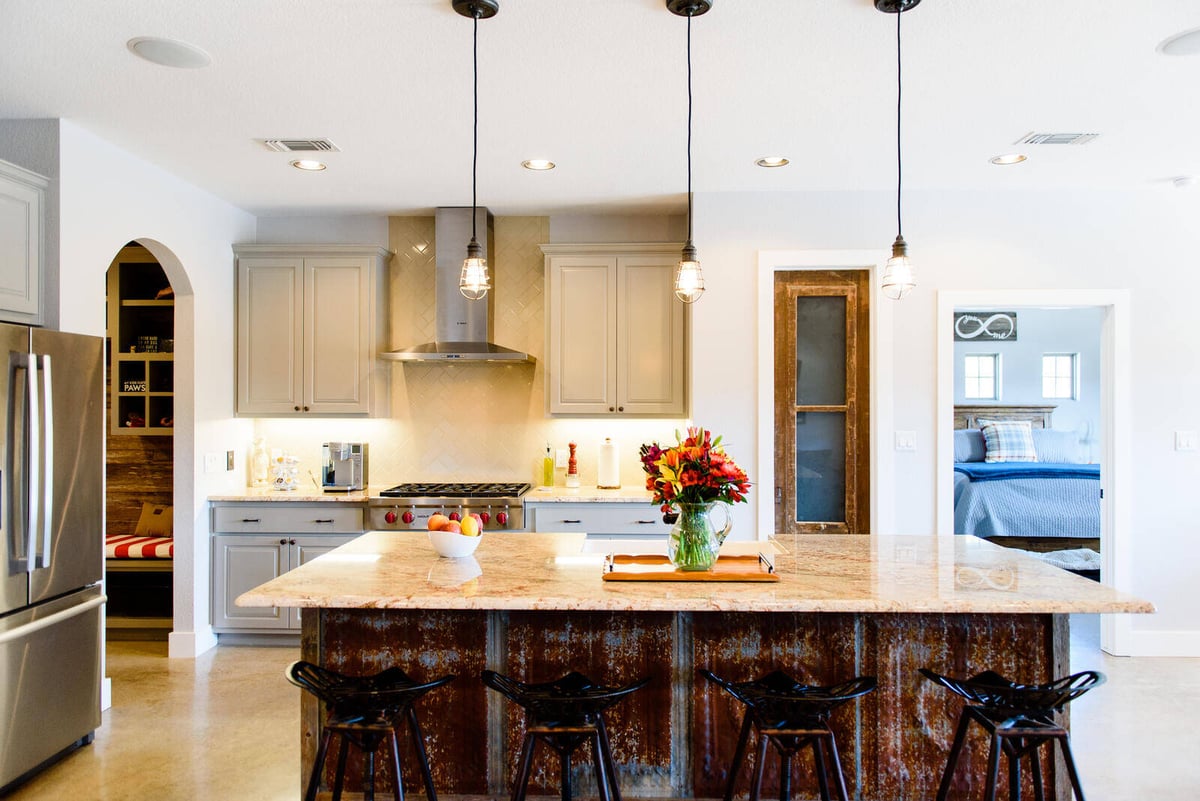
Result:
[{"x": 343, "y": 466}]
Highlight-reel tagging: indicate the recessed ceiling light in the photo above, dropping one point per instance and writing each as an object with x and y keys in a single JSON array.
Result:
[
  {"x": 169, "y": 52},
  {"x": 772, "y": 161},
  {"x": 311, "y": 165},
  {"x": 538, "y": 164},
  {"x": 1008, "y": 158},
  {"x": 1181, "y": 44}
]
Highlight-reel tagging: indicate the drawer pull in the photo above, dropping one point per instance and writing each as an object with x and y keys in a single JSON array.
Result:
[
  {"x": 330, "y": 520},
  {"x": 572, "y": 521},
  {"x": 646, "y": 522},
  {"x": 251, "y": 520}
]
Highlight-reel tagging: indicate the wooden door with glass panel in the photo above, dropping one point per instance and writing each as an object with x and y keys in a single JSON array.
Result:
[{"x": 822, "y": 394}]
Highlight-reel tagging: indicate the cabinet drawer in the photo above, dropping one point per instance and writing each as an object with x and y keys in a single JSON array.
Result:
[
  {"x": 288, "y": 518},
  {"x": 600, "y": 518}
]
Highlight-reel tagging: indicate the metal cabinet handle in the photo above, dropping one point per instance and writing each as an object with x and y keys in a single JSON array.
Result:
[
  {"x": 572, "y": 521},
  {"x": 620, "y": 408},
  {"x": 610, "y": 408},
  {"x": 646, "y": 522},
  {"x": 295, "y": 408},
  {"x": 306, "y": 408},
  {"x": 291, "y": 542},
  {"x": 283, "y": 541},
  {"x": 251, "y": 520},
  {"x": 330, "y": 520}
]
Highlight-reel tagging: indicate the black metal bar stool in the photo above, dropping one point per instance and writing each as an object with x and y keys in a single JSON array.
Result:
[
  {"x": 1019, "y": 718},
  {"x": 564, "y": 714},
  {"x": 791, "y": 716},
  {"x": 365, "y": 711}
]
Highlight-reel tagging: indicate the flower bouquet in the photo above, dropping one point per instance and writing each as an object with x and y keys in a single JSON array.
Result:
[{"x": 692, "y": 476}]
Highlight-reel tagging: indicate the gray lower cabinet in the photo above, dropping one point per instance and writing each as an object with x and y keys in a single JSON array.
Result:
[
  {"x": 254, "y": 543},
  {"x": 609, "y": 525}
]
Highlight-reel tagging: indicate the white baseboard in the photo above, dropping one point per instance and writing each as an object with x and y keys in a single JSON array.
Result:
[
  {"x": 1164, "y": 643},
  {"x": 106, "y": 693},
  {"x": 190, "y": 644}
]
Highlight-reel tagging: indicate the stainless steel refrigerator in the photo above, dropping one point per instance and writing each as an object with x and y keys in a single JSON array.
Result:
[{"x": 52, "y": 521}]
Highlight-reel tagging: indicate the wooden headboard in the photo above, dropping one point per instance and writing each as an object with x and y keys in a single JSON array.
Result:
[{"x": 1037, "y": 414}]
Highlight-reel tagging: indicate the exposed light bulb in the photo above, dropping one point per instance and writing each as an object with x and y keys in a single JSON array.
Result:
[
  {"x": 898, "y": 279},
  {"x": 689, "y": 278},
  {"x": 473, "y": 281}
]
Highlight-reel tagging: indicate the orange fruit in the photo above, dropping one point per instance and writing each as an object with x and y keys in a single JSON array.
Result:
[{"x": 437, "y": 522}]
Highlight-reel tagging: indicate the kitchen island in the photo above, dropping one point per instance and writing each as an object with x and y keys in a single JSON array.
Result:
[{"x": 533, "y": 606}]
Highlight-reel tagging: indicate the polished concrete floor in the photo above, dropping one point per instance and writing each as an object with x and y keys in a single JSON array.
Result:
[{"x": 226, "y": 726}]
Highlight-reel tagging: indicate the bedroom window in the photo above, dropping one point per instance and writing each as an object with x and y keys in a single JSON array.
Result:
[
  {"x": 981, "y": 372},
  {"x": 1060, "y": 375}
]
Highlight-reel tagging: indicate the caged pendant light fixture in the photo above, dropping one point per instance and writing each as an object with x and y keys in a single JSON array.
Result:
[
  {"x": 689, "y": 280},
  {"x": 898, "y": 278},
  {"x": 474, "y": 281}
]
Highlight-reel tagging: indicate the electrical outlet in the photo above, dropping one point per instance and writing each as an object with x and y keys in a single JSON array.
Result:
[
  {"x": 560, "y": 457},
  {"x": 212, "y": 463},
  {"x": 1185, "y": 440},
  {"x": 906, "y": 440},
  {"x": 228, "y": 461}
]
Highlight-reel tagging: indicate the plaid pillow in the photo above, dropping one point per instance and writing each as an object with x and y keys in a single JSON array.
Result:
[{"x": 1008, "y": 441}]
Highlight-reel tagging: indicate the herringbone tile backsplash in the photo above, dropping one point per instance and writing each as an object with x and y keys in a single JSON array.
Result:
[{"x": 468, "y": 422}]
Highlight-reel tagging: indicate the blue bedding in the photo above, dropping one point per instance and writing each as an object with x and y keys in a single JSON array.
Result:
[{"x": 1027, "y": 499}]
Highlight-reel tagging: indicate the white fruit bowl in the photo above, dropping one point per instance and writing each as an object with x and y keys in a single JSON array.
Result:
[{"x": 452, "y": 544}]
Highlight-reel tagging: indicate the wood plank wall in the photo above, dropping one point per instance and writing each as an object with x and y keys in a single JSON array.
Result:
[{"x": 140, "y": 469}]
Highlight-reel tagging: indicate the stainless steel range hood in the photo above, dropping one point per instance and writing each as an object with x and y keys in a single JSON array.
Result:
[{"x": 464, "y": 328}]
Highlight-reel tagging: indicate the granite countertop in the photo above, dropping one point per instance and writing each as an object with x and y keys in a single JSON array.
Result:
[
  {"x": 304, "y": 494},
  {"x": 826, "y": 573},
  {"x": 632, "y": 494}
]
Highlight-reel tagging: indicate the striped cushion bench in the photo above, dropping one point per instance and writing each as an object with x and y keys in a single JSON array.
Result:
[{"x": 129, "y": 546}]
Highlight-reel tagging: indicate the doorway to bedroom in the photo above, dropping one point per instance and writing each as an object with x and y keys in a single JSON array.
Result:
[{"x": 1052, "y": 379}]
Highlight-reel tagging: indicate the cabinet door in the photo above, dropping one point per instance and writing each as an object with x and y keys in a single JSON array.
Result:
[
  {"x": 580, "y": 335},
  {"x": 20, "y": 244},
  {"x": 270, "y": 322},
  {"x": 650, "y": 334},
  {"x": 337, "y": 335},
  {"x": 242, "y": 563},
  {"x": 304, "y": 551}
]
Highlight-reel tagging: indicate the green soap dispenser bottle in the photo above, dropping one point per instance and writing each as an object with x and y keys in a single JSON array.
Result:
[{"x": 548, "y": 468}]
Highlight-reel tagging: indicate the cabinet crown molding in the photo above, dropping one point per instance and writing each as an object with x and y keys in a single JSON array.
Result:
[
  {"x": 610, "y": 248},
  {"x": 256, "y": 249}
]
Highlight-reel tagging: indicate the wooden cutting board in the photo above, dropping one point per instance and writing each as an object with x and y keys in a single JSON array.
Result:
[{"x": 657, "y": 567}]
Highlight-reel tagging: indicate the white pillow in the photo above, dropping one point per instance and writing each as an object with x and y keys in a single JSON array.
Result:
[{"x": 1058, "y": 446}]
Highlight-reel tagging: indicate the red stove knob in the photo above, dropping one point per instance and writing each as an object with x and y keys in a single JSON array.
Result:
[
  {"x": 485, "y": 516},
  {"x": 455, "y": 516},
  {"x": 390, "y": 517},
  {"x": 502, "y": 518},
  {"x": 407, "y": 517}
]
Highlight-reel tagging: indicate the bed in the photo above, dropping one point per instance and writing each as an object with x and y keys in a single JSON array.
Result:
[{"x": 1049, "y": 503}]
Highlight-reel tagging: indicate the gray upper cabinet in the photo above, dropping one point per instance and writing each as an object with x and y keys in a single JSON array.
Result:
[
  {"x": 310, "y": 320},
  {"x": 615, "y": 333},
  {"x": 22, "y": 206}
]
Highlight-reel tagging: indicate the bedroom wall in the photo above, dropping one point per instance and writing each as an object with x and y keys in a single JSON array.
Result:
[
  {"x": 1041, "y": 331},
  {"x": 974, "y": 241}
]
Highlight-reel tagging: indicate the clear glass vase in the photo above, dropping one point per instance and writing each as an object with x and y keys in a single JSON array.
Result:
[{"x": 694, "y": 543}]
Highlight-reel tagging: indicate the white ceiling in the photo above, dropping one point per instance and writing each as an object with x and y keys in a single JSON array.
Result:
[{"x": 599, "y": 87}]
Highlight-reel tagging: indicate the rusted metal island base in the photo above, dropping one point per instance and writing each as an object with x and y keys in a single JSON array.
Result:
[{"x": 676, "y": 737}]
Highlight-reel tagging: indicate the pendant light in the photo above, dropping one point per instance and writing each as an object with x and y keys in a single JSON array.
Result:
[
  {"x": 689, "y": 280},
  {"x": 898, "y": 278},
  {"x": 474, "y": 281}
]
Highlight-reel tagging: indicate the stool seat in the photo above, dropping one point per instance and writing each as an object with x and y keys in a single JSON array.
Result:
[
  {"x": 365, "y": 711},
  {"x": 790, "y": 715},
  {"x": 1019, "y": 719},
  {"x": 564, "y": 714}
]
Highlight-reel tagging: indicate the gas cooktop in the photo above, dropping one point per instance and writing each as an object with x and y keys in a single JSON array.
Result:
[{"x": 457, "y": 490}]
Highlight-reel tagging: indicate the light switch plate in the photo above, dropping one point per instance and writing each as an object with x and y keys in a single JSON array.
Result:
[
  {"x": 906, "y": 440},
  {"x": 560, "y": 457},
  {"x": 1185, "y": 440},
  {"x": 213, "y": 463}
]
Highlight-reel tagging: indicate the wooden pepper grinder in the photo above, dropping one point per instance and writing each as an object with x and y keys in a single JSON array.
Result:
[{"x": 572, "y": 467}]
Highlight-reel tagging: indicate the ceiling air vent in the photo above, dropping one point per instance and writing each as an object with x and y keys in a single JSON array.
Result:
[
  {"x": 300, "y": 145},
  {"x": 1056, "y": 138}
]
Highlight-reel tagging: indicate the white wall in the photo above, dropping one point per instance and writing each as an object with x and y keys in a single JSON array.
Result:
[
  {"x": 1145, "y": 241},
  {"x": 1042, "y": 331},
  {"x": 109, "y": 197},
  {"x": 360, "y": 229}
]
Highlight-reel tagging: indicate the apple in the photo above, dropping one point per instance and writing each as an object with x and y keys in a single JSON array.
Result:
[
  {"x": 478, "y": 520},
  {"x": 452, "y": 525},
  {"x": 437, "y": 521}
]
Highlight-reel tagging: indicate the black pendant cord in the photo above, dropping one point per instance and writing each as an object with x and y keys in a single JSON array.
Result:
[
  {"x": 899, "y": 161},
  {"x": 475, "y": 132},
  {"x": 689, "y": 125}
]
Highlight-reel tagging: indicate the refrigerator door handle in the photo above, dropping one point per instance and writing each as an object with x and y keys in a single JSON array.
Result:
[
  {"x": 33, "y": 477},
  {"x": 47, "y": 462},
  {"x": 50, "y": 620}
]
